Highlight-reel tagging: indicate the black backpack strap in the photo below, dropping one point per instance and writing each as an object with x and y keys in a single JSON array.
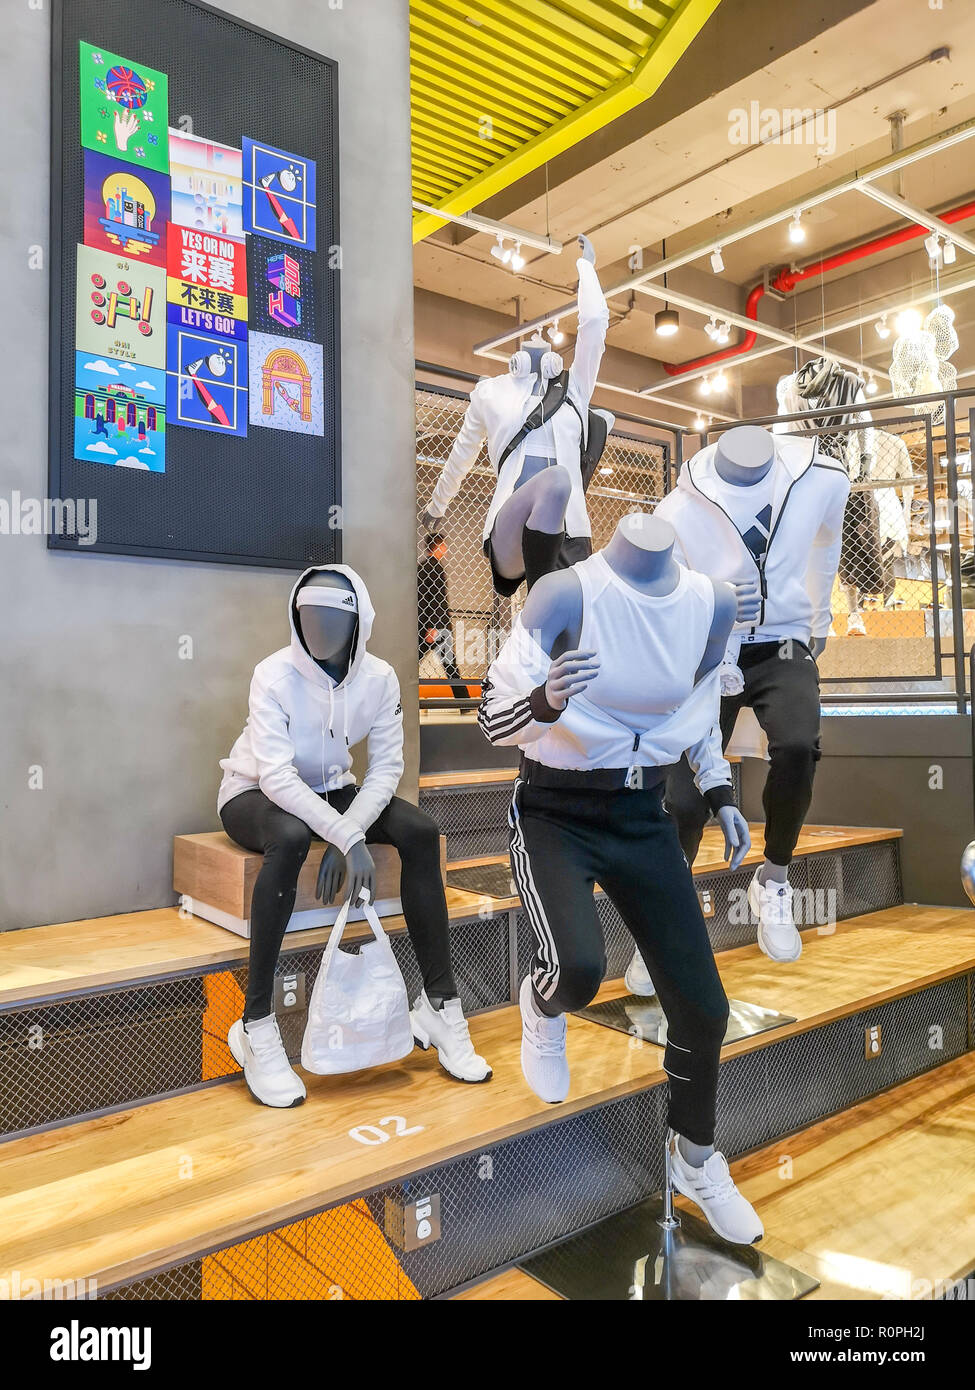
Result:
[
  {"x": 555, "y": 395},
  {"x": 594, "y": 435}
]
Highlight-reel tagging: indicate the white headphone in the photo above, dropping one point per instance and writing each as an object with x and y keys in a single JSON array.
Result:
[{"x": 520, "y": 365}]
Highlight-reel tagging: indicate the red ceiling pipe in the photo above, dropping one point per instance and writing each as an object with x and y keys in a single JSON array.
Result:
[{"x": 787, "y": 279}]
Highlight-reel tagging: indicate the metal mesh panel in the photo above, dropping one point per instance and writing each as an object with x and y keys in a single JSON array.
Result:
[
  {"x": 474, "y": 819},
  {"x": 65, "y": 1059},
  {"x": 479, "y": 954},
  {"x": 477, "y": 621}
]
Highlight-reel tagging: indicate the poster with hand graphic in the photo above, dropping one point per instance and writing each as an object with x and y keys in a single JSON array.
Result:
[
  {"x": 206, "y": 381},
  {"x": 120, "y": 308},
  {"x": 279, "y": 194},
  {"x": 119, "y": 413},
  {"x": 124, "y": 108},
  {"x": 286, "y": 384}
]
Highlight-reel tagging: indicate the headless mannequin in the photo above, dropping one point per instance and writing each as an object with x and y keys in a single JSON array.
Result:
[
  {"x": 743, "y": 457},
  {"x": 641, "y": 553},
  {"x": 541, "y": 496}
]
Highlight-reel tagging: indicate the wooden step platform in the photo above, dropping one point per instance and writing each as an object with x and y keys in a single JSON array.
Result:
[
  {"x": 119, "y": 1196},
  {"x": 49, "y": 962},
  {"x": 880, "y": 1201}
]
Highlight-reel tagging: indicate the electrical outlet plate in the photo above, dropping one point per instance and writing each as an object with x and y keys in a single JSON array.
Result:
[
  {"x": 412, "y": 1222},
  {"x": 289, "y": 992},
  {"x": 872, "y": 1041}
]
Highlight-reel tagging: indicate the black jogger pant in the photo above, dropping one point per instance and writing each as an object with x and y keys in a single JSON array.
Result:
[
  {"x": 565, "y": 841},
  {"x": 782, "y": 687},
  {"x": 256, "y": 823}
]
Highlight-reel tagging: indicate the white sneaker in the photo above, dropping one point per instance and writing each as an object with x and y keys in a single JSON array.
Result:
[
  {"x": 855, "y": 626},
  {"x": 446, "y": 1029},
  {"x": 543, "y": 1060},
  {"x": 257, "y": 1047},
  {"x": 637, "y": 978},
  {"x": 771, "y": 903},
  {"x": 712, "y": 1188}
]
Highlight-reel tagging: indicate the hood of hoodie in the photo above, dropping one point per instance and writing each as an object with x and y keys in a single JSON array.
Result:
[
  {"x": 302, "y": 658},
  {"x": 793, "y": 458}
]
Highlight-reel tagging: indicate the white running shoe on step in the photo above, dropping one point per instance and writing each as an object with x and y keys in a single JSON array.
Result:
[
  {"x": 543, "y": 1060},
  {"x": 637, "y": 978},
  {"x": 446, "y": 1029},
  {"x": 771, "y": 903},
  {"x": 257, "y": 1047},
  {"x": 855, "y": 626},
  {"x": 712, "y": 1188}
]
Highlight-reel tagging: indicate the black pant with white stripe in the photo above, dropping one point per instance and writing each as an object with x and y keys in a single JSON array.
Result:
[{"x": 562, "y": 843}]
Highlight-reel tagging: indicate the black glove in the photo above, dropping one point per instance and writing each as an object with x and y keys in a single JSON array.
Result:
[{"x": 357, "y": 867}]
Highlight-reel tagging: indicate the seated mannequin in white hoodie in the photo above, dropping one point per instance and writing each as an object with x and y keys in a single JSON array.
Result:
[
  {"x": 610, "y": 671},
  {"x": 288, "y": 777},
  {"x": 537, "y": 521},
  {"x": 783, "y": 619}
]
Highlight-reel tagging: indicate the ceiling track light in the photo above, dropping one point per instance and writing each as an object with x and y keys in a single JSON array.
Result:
[
  {"x": 950, "y": 253},
  {"x": 699, "y": 423},
  {"x": 797, "y": 231},
  {"x": 555, "y": 333},
  {"x": 517, "y": 259},
  {"x": 881, "y": 327},
  {"x": 932, "y": 244},
  {"x": 717, "y": 260},
  {"x": 720, "y": 382},
  {"x": 666, "y": 322},
  {"x": 711, "y": 328},
  {"x": 723, "y": 333},
  {"x": 705, "y": 387},
  {"x": 871, "y": 386}
]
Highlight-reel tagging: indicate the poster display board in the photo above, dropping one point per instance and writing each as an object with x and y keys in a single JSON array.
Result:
[{"x": 195, "y": 263}]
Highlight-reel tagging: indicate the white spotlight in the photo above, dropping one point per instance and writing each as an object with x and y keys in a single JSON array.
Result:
[
  {"x": 950, "y": 253},
  {"x": 720, "y": 382},
  {"x": 517, "y": 259},
  {"x": 555, "y": 334},
  {"x": 881, "y": 328},
  {"x": 705, "y": 387},
  {"x": 797, "y": 231},
  {"x": 711, "y": 328},
  {"x": 908, "y": 322},
  {"x": 717, "y": 260},
  {"x": 724, "y": 332},
  {"x": 871, "y": 386},
  {"x": 500, "y": 252},
  {"x": 699, "y": 422},
  {"x": 932, "y": 244}
]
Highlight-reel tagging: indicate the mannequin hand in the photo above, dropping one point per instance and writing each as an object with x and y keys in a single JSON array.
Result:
[
  {"x": 358, "y": 865},
  {"x": 817, "y": 645},
  {"x": 588, "y": 254},
  {"x": 749, "y": 595},
  {"x": 430, "y": 523},
  {"x": 569, "y": 675},
  {"x": 737, "y": 841}
]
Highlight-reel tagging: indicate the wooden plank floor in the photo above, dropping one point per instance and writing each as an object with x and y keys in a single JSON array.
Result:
[
  {"x": 113, "y": 1197},
  {"x": 880, "y": 1200},
  {"x": 43, "y": 962}
]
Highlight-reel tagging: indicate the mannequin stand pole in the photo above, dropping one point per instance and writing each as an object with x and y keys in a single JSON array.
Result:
[{"x": 667, "y": 1219}]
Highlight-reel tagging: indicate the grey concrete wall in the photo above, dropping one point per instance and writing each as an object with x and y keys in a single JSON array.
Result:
[{"x": 126, "y": 736}]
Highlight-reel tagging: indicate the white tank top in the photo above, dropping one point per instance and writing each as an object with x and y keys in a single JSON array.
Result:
[{"x": 639, "y": 709}]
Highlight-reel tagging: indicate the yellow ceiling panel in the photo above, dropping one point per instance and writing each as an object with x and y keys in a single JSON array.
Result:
[{"x": 500, "y": 86}]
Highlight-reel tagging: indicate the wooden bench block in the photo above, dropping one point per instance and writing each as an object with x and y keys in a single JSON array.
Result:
[{"x": 216, "y": 879}]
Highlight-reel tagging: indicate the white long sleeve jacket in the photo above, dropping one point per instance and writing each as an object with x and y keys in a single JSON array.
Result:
[
  {"x": 301, "y": 727},
  {"x": 799, "y": 566},
  {"x": 499, "y": 406}
]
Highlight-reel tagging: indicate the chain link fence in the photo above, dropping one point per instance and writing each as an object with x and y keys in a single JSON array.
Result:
[{"x": 461, "y": 621}]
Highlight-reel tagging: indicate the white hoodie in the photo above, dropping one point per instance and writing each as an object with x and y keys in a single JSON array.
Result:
[
  {"x": 798, "y": 569},
  {"x": 302, "y": 725}
]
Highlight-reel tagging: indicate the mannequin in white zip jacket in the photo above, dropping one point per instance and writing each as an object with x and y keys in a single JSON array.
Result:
[
  {"x": 289, "y": 778},
  {"x": 537, "y": 521},
  {"x": 765, "y": 513}
]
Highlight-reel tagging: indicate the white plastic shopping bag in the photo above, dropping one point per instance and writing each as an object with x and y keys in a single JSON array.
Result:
[{"x": 359, "y": 1015}]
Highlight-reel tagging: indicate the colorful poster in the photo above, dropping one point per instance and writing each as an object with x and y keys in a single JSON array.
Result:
[
  {"x": 125, "y": 211},
  {"x": 124, "y": 108},
  {"x": 206, "y": 381},
  {"x": 121, "y": 308},
  {"x": 119, "y": 413},
  {"x": 207, "y": 272},
  {"x": 207, "y": 322},
  {"x": 279, "y": 194},
  {"x": 282, "y": 289},
  {"x": 286, "y": 390},
  {"x": 207, "y": 186}
]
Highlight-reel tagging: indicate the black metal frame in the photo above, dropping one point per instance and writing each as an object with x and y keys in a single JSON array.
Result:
[{"x": 332, "y": 336}]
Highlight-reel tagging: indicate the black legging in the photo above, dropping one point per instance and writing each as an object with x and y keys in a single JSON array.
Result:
[
  {"x": 565, "y": 841},
  {"x": 782, "y": 687},
  {"x": 256, "y": 823}
]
